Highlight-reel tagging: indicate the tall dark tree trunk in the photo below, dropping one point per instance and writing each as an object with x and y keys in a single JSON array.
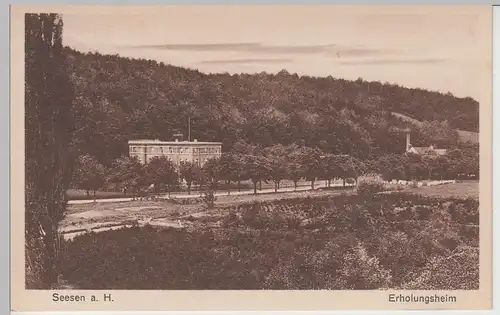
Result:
[
  {"x": 88, "y": 192},
  {"x": 260, "y": 184},
  {"x": 189, "y": 188},
  {"x": 329, "y": 183},
  {"x": 254, "y": 187},
  {"x": 275, "y": 187},
  {"x": 343, "y": 182},
  {"x": 294, "y": 185},
  {"x": 49, "y": 152},
  {"x": 312, "y": 184},
  {"x": 239, "y": 185}
]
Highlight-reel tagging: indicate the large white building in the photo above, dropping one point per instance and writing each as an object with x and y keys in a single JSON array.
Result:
[{"x": 176, "y": 151}]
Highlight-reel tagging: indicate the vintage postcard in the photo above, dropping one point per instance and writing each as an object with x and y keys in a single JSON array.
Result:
[{"x": 251, "y": 157}]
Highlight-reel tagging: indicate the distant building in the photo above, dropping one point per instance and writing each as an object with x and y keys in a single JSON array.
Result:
[
  {"x": 176, "y": 151},
  {"x": 430, "y": 150}
]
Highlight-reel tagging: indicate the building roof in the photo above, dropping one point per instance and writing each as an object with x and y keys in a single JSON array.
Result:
[
  {"x": 427, "y": 150},
  {"x": 159, "y": 142},
  {"x": 440, "y": 151}
]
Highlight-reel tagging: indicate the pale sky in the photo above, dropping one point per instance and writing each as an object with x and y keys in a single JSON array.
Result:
[{"x": 415, "y": 47}]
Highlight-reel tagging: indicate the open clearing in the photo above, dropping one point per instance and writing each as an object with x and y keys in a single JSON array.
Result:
[
  {"x": 457, "y": 190},
  {"x": 93, "y": 215}
]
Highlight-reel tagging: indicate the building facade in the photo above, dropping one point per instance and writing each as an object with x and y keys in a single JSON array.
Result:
[
  {"x": 176, "y": 151},
  {"x": 430, "y": 150}
]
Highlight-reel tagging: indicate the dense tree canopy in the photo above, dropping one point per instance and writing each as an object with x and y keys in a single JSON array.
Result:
[{"x": 120, "y": 99}]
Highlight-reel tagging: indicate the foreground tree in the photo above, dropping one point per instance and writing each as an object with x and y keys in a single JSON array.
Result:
[
  {"x": 48, "y": 131},
  {"x": 350, "y": 167},
  {"x": 212, "y": 173},
  {"x": 189, "y": 171},
  {"x": 227, "y": 169},
  {"x": 311, "y": 165},
  {"x": 128, "y": 174},
  {"x": 89, "y": 174},
  {"x": 392, "y": 166},
  {"x": 331, "y": 167},
  {"x": 257, "y": 169},
  {"x": 294, "y": 164},
  {"x": 161, "y": 171},
  {"x": 239, "y": 171},
  {"x": 276, "y": 161}
]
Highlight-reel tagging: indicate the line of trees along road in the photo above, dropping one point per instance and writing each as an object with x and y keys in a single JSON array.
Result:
[{"x": 271, "y": 164}]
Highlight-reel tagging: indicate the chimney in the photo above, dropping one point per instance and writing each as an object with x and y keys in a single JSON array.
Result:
[
  {"x": 177, "y": 137},
  {"x": 408, "y": 144}
]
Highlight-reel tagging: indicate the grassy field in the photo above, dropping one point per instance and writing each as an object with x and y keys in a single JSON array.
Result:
[{"x": 465, "y": 189}]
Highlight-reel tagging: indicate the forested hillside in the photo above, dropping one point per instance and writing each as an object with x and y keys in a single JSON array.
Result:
[{"x": 118, "y": 99}]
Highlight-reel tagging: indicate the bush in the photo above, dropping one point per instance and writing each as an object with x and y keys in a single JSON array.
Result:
[
  {"x": 370, "y": 185},
  {"x": 459, "y": 271},
  {"x": 362, "y": 272},
  {"x": 209, "y": 197},
  {"x": 335, "y": 243}
]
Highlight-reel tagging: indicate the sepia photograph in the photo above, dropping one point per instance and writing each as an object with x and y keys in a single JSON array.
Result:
[{"x": 243, "y": 148}]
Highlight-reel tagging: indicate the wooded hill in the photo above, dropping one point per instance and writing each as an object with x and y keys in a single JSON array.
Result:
[{"x": 118, "y": 99}]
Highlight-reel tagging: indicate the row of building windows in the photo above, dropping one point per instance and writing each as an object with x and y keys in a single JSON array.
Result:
[
  {"x": 181, "y": 159},
  {"x": 173, "y": 150}
]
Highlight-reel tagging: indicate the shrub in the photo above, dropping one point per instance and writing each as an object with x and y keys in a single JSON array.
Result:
[
  {"x": 459, "y": 271},
  {"x": 209, "y": 197},
  {"x": 362, "y": 272},
  {"x": 346, "y": 242},
  {"x": 370, "y": 185}
]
